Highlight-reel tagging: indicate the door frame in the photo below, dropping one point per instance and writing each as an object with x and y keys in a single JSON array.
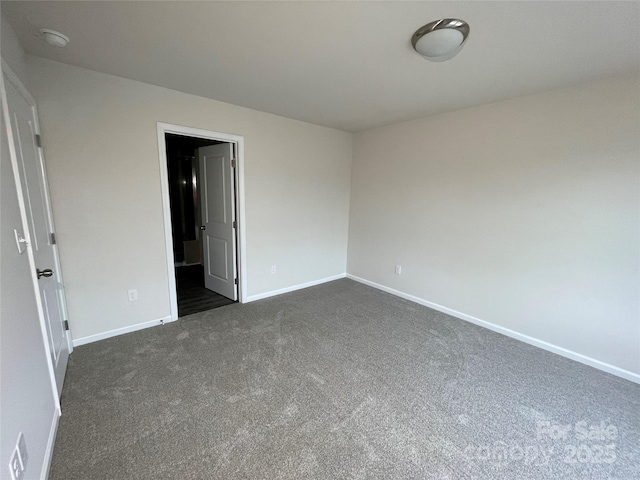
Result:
[{"x": 241, "y": 258}]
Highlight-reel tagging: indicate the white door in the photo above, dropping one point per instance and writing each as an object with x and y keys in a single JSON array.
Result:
[
  {"x": 33, "y": 179},
  {"x": 217, "y": 205}
]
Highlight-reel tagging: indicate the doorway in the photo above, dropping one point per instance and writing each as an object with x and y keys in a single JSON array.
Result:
[{"x": 201, "y": 175}]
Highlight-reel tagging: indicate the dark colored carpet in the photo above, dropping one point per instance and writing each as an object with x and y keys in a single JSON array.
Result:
[
  {"x": 193, "y": 297},
  {"x": 333, "y": 382}
]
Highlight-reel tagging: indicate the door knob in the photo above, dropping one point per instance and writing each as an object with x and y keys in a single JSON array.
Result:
[
  {"x": 47, "y": 272},
  {"x": 203, "y": 227}
]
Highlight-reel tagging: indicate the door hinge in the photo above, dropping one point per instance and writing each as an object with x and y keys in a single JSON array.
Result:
[
  {"x": 236, "y": 281},
  {"x": 66, "y": 324},
  {"x": 235, "y": 224},
  {"x": 53, "y": 239},
  {"x": 38, "y": 141},
  {"x": 233, "y": 163}
]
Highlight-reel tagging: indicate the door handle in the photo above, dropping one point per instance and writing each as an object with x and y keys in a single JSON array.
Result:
[
  {"x": 47, "y": 272},
  {"x": 203, "y": 227}
]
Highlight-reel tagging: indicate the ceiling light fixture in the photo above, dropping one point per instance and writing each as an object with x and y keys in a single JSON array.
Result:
[
  {"x": 440, "y": 40},
  {"x": 54, "y": 38}
]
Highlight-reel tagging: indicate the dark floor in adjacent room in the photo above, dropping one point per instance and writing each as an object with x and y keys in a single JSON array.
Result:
[
  {"x": 338, "y": 381},
  {"x": 193, "y": 297}
]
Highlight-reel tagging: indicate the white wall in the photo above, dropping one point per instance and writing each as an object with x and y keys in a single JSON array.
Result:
[
  {"x": 28, "y": 402},
  {"x": 522, "y": 213},
  {"x": 100, "y": 139}
]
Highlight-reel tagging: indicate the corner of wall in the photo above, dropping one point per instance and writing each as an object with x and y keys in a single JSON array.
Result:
[{"x": 12, "y": 51}]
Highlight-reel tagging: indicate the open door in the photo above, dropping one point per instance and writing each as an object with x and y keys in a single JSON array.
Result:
[
  {"x": 33, "y": 179},
  {"x": 217, "y": 205}
]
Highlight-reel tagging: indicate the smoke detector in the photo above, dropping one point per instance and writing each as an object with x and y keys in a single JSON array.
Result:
[{"x": 54, "y": 38}]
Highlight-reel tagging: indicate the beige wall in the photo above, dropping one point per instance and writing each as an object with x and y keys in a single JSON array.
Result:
[
  {"x": 522, "y": 213},
  {"x": 100, "y": 138}
]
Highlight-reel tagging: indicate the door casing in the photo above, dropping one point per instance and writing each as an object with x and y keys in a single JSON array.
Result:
[{"x": 163, "y": 129}]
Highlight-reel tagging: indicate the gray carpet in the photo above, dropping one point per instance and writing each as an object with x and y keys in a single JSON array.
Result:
[{"x": 338, "y": 381}]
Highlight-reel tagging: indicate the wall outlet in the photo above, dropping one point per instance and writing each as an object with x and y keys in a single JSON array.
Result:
[
  {"x": 133, "y": 295},
  {"x": 398, "y": 269},
  {"x": 15, "y": 466},
  {"x": 273, "y": 269}
]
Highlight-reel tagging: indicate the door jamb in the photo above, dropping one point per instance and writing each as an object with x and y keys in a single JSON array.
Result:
[{"x": 238, "y": 140}]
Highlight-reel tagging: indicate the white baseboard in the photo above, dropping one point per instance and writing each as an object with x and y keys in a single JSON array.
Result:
[
  {"x": 120, "y": 331},
  {"x": 592, "y": 362},
  {"x": 48, "y": 453},
  {"x": 273, "y": 293}
]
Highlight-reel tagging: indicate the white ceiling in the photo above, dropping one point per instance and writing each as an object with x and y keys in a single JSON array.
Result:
[{"x": 347, "y": 65}]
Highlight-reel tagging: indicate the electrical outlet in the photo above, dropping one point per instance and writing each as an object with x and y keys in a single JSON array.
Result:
[
  {"x": 398, "y": 269},
  {"x": 15, "y": 467},
  {"x": 22, "y": 450},
  {"x": 133, "y": 295},
  {"x": 273, "y": 269}
]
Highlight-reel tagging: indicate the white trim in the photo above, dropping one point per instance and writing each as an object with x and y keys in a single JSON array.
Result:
[
  {"x": 164, "y": 128},
  {"x": 48, "y": 452},
  {"x": 13, "y": 78},
  {"x": 273, "y": 293},
  {"x": 592, "y": 362},
  {"x": 120, "y": 331}
]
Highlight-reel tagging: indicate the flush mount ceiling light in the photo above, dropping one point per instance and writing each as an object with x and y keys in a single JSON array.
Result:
[
  {"x": 54, "y": 38},
  {"x": 440, "y": 40}
]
